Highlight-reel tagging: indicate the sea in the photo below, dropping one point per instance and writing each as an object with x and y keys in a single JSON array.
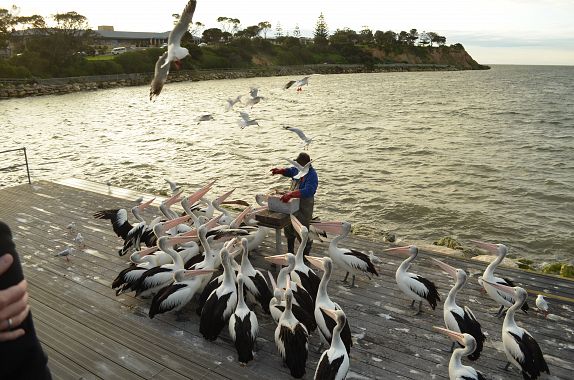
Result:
[{"x": 485, "y": 155}]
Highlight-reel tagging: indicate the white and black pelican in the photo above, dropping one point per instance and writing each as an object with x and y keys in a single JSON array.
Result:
[
  {"x": 226, "y": 218},
  {"x": 542, "y": 305},
  {"x": 300, "y": 296},
  {"x": 460, "y": 319},
  {"x": 221, "y": 302},
  {"x": 301, "y": 273},
  {"x": 277, "y": 306},
  {"x": 243, "y": 326},
  {"x": 165, "y": 205},
  {"x": 414, "y": 286},
  {"x": 291, "y": 338},
  {"x": 334, "y": 363},
  {"x": 141, "y": 262},
  {"x": 255, "y": 283},
  {"x": 326, "y": 322},
  {"x": 521, "y": 349},
  {"x": 350, "y": 260},
  {"x": 152, "y": 280},
  {"x": 177, "y": 295},
  {"x": 502, "y": 298},
  {"x": 456, "y": 370}
]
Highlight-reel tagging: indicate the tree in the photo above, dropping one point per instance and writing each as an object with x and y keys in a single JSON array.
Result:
[
  {"x": 403, "y": 38},
  {"x": 7, "y": 22},
  {"x": 412, "y": 36},
  {"x": 249, "y": 32},
  {"x": 366, "y": 35},
  {"x": 321, "y": 31},
  {"x": 264, "y": 26},
  {"x": 344, "y": 36},
  {"x": 228, "y": 24},
  {"x": 386, "y": 39},
  {"x": 296, "y": 31},
  {"x": 195, "y": 29},
  {"x": 212, "y": 35}
]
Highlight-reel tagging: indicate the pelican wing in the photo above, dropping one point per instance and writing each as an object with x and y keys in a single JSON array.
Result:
[
  {"x": 360, "y": 261},
  {"x": 183, "y": 23},
  {"x": 160, "y": 76},
  {"x": 532, "y": 362}
]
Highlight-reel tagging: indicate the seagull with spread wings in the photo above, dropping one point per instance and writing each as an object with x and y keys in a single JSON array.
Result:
[
  {"x": 246, "y": 120},
  {"x": 297, "y": 83},
  {"x": 175, "y": 52},
  {"x": 302, "y": 136}
]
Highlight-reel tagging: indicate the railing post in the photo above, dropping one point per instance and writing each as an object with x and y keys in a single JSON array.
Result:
[{"x": 27, "y": 168}]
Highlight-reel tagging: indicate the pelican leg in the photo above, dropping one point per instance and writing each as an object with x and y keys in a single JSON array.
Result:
[
  {"x": 413, "y": 304},
  {"x": 506, "y": 366},
  {"x": 345, "y": 279},
  {"x": 419, "y": 308},
  {"x": 451, "y": 347},
  {"x": 353, "y": 282},
  {"x": 499, "y": 312}
]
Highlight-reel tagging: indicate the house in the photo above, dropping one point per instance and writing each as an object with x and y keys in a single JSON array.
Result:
[{"x": 112, "y": 38}]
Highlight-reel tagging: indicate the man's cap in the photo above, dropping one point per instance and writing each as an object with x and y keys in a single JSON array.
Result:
[{"x": 303, "y": 158}]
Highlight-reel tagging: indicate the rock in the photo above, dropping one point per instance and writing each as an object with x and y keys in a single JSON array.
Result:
[
  {"x": 488, "y": 259},
  {"x": 448, "y": 242},
  {"x": 567, "y": 270},
  {"x": 553, "y": 268}
]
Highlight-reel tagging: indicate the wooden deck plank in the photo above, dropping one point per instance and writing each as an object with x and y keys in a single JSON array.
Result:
[{"x": 379, "y": 352}]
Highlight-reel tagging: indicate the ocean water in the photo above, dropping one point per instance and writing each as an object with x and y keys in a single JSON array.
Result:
[{"x": 472, "y": 154}]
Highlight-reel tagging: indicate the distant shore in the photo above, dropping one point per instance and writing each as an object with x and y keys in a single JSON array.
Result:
[{"x": 21, "y": 88}]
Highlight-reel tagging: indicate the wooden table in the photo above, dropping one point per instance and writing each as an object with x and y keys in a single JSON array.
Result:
[{"x": 276, "y": 220}]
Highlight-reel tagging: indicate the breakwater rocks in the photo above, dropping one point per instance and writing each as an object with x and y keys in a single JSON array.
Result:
[{"x": 19, "y": 88}]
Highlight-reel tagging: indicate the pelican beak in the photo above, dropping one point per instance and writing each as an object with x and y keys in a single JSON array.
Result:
[
  {"x": 232, "y": 243},
  {"x": 272, "y": 280},
  {"x": 195, "y": 197},
  {"x": 330, "y": 312},
  {"x": 192, "y": 233},
  {"x": 317, "y": 262},
  {"x": 223, "y": 197},
  {"x": 174, "y": 222},
  {"x": 144, "y": 252},
  {"x": 399, "y": 250},
  {"x": 503, "y": 288},
  {"x": 490, "y": 247},
  {"x": 239, "y": 218},
  {"x": 452, "y": 334},
  {"x": 144, "y": 205},
  {"x": 180, "y": 239},
  {"x": 335, "y": 228},
  {"x": 198, "y": 272},
  {"x": 277, "y": 259},
  {"x": 173, "y": 199},
  {"x": 214, "y": 222},
  {"x": 445, "y": 267},
  {"x": 296, "y": 224}
]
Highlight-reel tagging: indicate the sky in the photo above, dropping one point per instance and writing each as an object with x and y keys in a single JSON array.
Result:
[{"x": 535, "y": 32}]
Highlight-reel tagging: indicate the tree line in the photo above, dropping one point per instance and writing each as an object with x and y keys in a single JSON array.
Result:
[{"x": 52, "y": 50}]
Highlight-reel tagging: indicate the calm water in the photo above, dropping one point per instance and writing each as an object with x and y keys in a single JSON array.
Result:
[{"x": 473, "y": 155}]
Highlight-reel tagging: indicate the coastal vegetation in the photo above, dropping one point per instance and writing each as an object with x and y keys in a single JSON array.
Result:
[{"x": 66, "y": 47}]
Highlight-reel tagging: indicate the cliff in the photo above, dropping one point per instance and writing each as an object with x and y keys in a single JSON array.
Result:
[{"x": 454, "y": 55}]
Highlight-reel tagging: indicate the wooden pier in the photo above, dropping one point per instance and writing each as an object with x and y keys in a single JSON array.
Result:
[{"x": 89, "y": 333}]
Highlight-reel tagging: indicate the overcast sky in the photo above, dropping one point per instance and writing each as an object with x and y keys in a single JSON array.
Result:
[{"x": 492, "y": 31}]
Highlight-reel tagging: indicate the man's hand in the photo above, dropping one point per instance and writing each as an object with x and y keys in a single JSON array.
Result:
[
  {"x": 277, "y": 171},
  {"x": 13, "y": 305},
  {"x": 292, "y": 194}
]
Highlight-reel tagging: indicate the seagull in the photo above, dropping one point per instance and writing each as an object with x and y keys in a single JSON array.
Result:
[
  {"x": 542, "y": 305},
  {"x": 71, "y": 227},
  {"x": 174, "y": 187},
  {"x": 79, "y": 241},
  {"x": 253, "y": 91},
  {"x": 253, "y": 100},
  {"x": 159, "y": 78},
  {"x": 232, "y": 102},
  {"x": 206, "y": 117},
  {"x": 139, "y": 200},
  {"x": 174, "y": 50},
  {"x": 297, "y": 83},
  {"x": 303, "y": 170},
  {"x": 245, "y": 120},
  {"x": 65, "y": 253},
  {"x": 306, "y": 140}
]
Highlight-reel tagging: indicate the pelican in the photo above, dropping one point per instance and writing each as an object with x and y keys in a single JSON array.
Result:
[
  {"x": 542, "y": 305},
  {"x": 243, "y": 326},
  {"x": 334, "y": 363},
  {"x": 177, "y": 295},
  {"x": 297, "y": 83},
  {"x": 291, "y": 338},
  {"x": 350, "y": 260},
  {"x": 456, "y": 370},
  {"x": 277, "y": 306},
  {"x": 143, "y": 261},
  {"x": 301, "y": 273},
  {"x": 221, "y": 302},
  {"x": 521, "y": 350},
  {"x": 165, "y": 205},
  {"x": 325, "y": 322},
  {"x": 154, "y": 279},
  {"x": 300, "y": 295},
  {"x": 502, "y": 298},
  {"x": 246, "y": 120},
  {"x": 460, "y": 319},
  {"x": 226, "y": 218},
  {"x": 302, "y": 136},
  {"x": 255, "y": 283},
  {"x": 414, "y": 286}
]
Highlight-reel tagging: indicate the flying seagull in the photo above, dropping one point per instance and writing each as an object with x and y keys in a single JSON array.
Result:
[
  {"x": 232, "y": 102},
  {"x": 174, "y": 50},
  {"x": 174, "y": 187},
  {"x": 303, "y": 170},
  {"x": 297, "y": 83},
  {"x": 306, "y": 140},
  {"x": 245, "y": 120}
]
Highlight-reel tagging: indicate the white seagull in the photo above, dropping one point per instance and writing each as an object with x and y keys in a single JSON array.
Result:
[
  {"x": 79, "y": 241},
  {"x": 246, "y": 120},
  {"x": 232, "y": 102},
  {"x": 542, "y": 305},
  {"x": 173, "y": 186},
  {"x": 302, "y": 136},
  {"x": 159, "y": 77},
  {"x": 297, "y": 83},
  {"x": 65, "y": 253},
  {"x": 303, "y": 170}
]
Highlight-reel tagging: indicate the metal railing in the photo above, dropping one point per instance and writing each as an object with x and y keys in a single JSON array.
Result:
[{"x": 10, "y": 168}]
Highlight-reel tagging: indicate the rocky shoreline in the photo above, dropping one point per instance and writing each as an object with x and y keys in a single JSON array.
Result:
[{"x": 20, "y": 88}]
